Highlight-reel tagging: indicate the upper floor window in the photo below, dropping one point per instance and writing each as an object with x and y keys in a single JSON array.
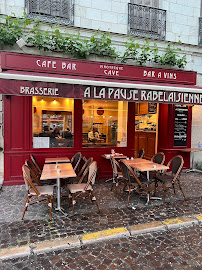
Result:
[
  {"x": 146, "y": 19},
  {"x": 52, "y": 11}
]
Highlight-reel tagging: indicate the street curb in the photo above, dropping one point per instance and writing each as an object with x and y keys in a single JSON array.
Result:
[
  {"x": 105, "y": 234},
  {"x": 146, "y": 227},
  {"x": 178, "y": 222},
  {"x": 79, "y": 241},
  {"x": 56, "y": 244},
  {"x": 13, "y": 252}
]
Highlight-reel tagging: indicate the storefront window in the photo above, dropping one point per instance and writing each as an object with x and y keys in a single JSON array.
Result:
[
  {"x": 52, "y": 122},
  {"x": 105, "y": 123}
]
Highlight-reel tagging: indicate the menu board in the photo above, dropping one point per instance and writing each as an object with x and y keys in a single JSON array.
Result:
[{"x": 180, "y": 128}]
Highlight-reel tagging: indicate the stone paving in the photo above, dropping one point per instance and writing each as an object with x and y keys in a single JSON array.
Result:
[
  {"x": 177, "y": 249},
  {"x": 37, "y": 227}
]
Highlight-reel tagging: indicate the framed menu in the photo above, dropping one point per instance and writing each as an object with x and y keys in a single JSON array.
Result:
[{"x": 180, "y": 127}]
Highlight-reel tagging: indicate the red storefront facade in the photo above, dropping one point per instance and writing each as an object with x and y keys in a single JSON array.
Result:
[{"x": 25, "y": 76}]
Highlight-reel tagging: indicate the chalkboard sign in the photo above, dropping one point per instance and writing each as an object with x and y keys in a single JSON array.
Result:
[{"x": 180, "y": 128}]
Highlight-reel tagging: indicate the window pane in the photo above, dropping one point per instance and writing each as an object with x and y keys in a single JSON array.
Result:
[
  {"x": 104, "y": 123},
  {"x": 52, "y": 122}
]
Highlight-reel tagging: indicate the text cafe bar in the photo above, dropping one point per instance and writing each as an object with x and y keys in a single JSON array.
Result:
[{"x": 52, "y": 106}]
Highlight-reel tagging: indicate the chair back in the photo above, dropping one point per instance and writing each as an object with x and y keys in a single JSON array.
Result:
[
  {"x": 128, "y": 172},
  {"x": 177, "y": 163},
  {"x": 92, "y": 174},
  {"x": 125, "y": 171},
  {"x": 33, "y": 172},
  {"x": 36, "y": 163},
  {"x": 114, "y": 167},
  {"x": 28, "y": 182},
  {"x": 75, "y": 161},
  {"x": 140, "y": 153},
  {"x": 158, "y": 158},
  {"x": 86, "y": 165}
]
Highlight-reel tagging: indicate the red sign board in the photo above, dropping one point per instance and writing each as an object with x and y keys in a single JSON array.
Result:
[
  {"x": 37, "y": 63},
  {"x": 32, "y": 88}
]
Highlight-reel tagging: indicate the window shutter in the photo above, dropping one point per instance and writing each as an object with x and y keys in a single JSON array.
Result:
[
  {"x": 150, "y": 3},
  {"x": 60, "y": 8}
]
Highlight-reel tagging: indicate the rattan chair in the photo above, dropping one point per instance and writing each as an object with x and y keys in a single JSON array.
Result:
[
  {"x": 75, "y": 161},
  {"x": 140, "y": 154},
  {"x": 36, "y": 164},
  {"x": 76, "y": 190},
  {"x": 133, "y": 183},
  {"x": 36, "y": 194},
  {"x": 168, "y": 180},
  {"x": 117, "y": 172},
  {"x": 33, "y": 172},
  {"x": 157, "y": 158},
  {"x": 83, "y": 173}
]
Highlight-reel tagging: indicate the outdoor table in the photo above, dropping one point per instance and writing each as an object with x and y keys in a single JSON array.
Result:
[
  {"x": 136, "y": 161},
  {"x": 57, "y": 160},
  {"x": 148, "y": 167},
  {"x": 191, "y": 151},
  {"x": 57, "y": 171},
  {"x": 116, "y": 156}
]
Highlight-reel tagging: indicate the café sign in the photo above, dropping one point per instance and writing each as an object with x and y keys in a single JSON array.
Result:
[
  {"x": 73, "y": 67},
  {"x": 31, "y": 88}
]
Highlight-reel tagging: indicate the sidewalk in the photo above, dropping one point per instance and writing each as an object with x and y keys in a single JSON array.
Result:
[{"x": 36, "y": 226}]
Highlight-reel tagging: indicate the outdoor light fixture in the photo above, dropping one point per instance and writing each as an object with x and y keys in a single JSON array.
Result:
[{"x": 20, "y": 42}]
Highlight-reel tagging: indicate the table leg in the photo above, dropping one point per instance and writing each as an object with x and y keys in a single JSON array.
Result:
[
  {"x": 192, "y": 169},
  {"x": 59, "y": 198},
  {"x": 148, "y": 195}
]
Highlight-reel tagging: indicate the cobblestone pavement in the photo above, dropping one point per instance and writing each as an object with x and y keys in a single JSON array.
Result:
[
  {"x": 37, "y": 227},
  {"x": 177, "y": 249}
]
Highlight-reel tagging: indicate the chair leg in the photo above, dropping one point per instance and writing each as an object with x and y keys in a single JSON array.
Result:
[
  {"x": 73, "y": 203},
  {"x": 155, "y": 186},
  {"x": 173, "y": 187},
  {"x": 26, "y": 205},
  {"x": 164, "y": 193},
  {"x": 69, "y": 199},
  {"x": 94, "y": 199},
  {"x": 181, "y": 189},
  {"x": 50, "y": 205},
  {"x": 113, "y": 183},
  {"x": 129, "y": 195},
  {"x": 149, "y": 193}
]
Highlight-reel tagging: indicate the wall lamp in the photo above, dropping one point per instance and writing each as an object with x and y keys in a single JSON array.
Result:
[{"x": 20, "y": 42}]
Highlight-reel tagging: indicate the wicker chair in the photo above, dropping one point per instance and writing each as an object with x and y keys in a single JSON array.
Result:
[
  {"x": 169, "y": 180},
  {"x": 36, "y": 194},
  {"x": 83, "y": 173},
  {"x": 76, "y": 190},
  {"x": 140, "y": 154},
  {"x": 36, "y": 164},
  {"x": 133, "y": 183},
  {"x": 33, "y": 172},
  {"x": 75, "y": 161},
  {"x": 117, "y": 172}
]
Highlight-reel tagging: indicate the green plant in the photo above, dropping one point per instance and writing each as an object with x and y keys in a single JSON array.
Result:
[
  {"x": 131, "y": 51},
  {"x": 12, "y": 30},
  {"x": 144, "y": 55},
  {"x": 155, "y": 54},
  {"x": 171, "y": 57},
  {"x": 101, "y": 44}
]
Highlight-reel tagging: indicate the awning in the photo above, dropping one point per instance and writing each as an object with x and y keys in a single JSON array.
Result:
[{"x": 56, "y": 85}]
